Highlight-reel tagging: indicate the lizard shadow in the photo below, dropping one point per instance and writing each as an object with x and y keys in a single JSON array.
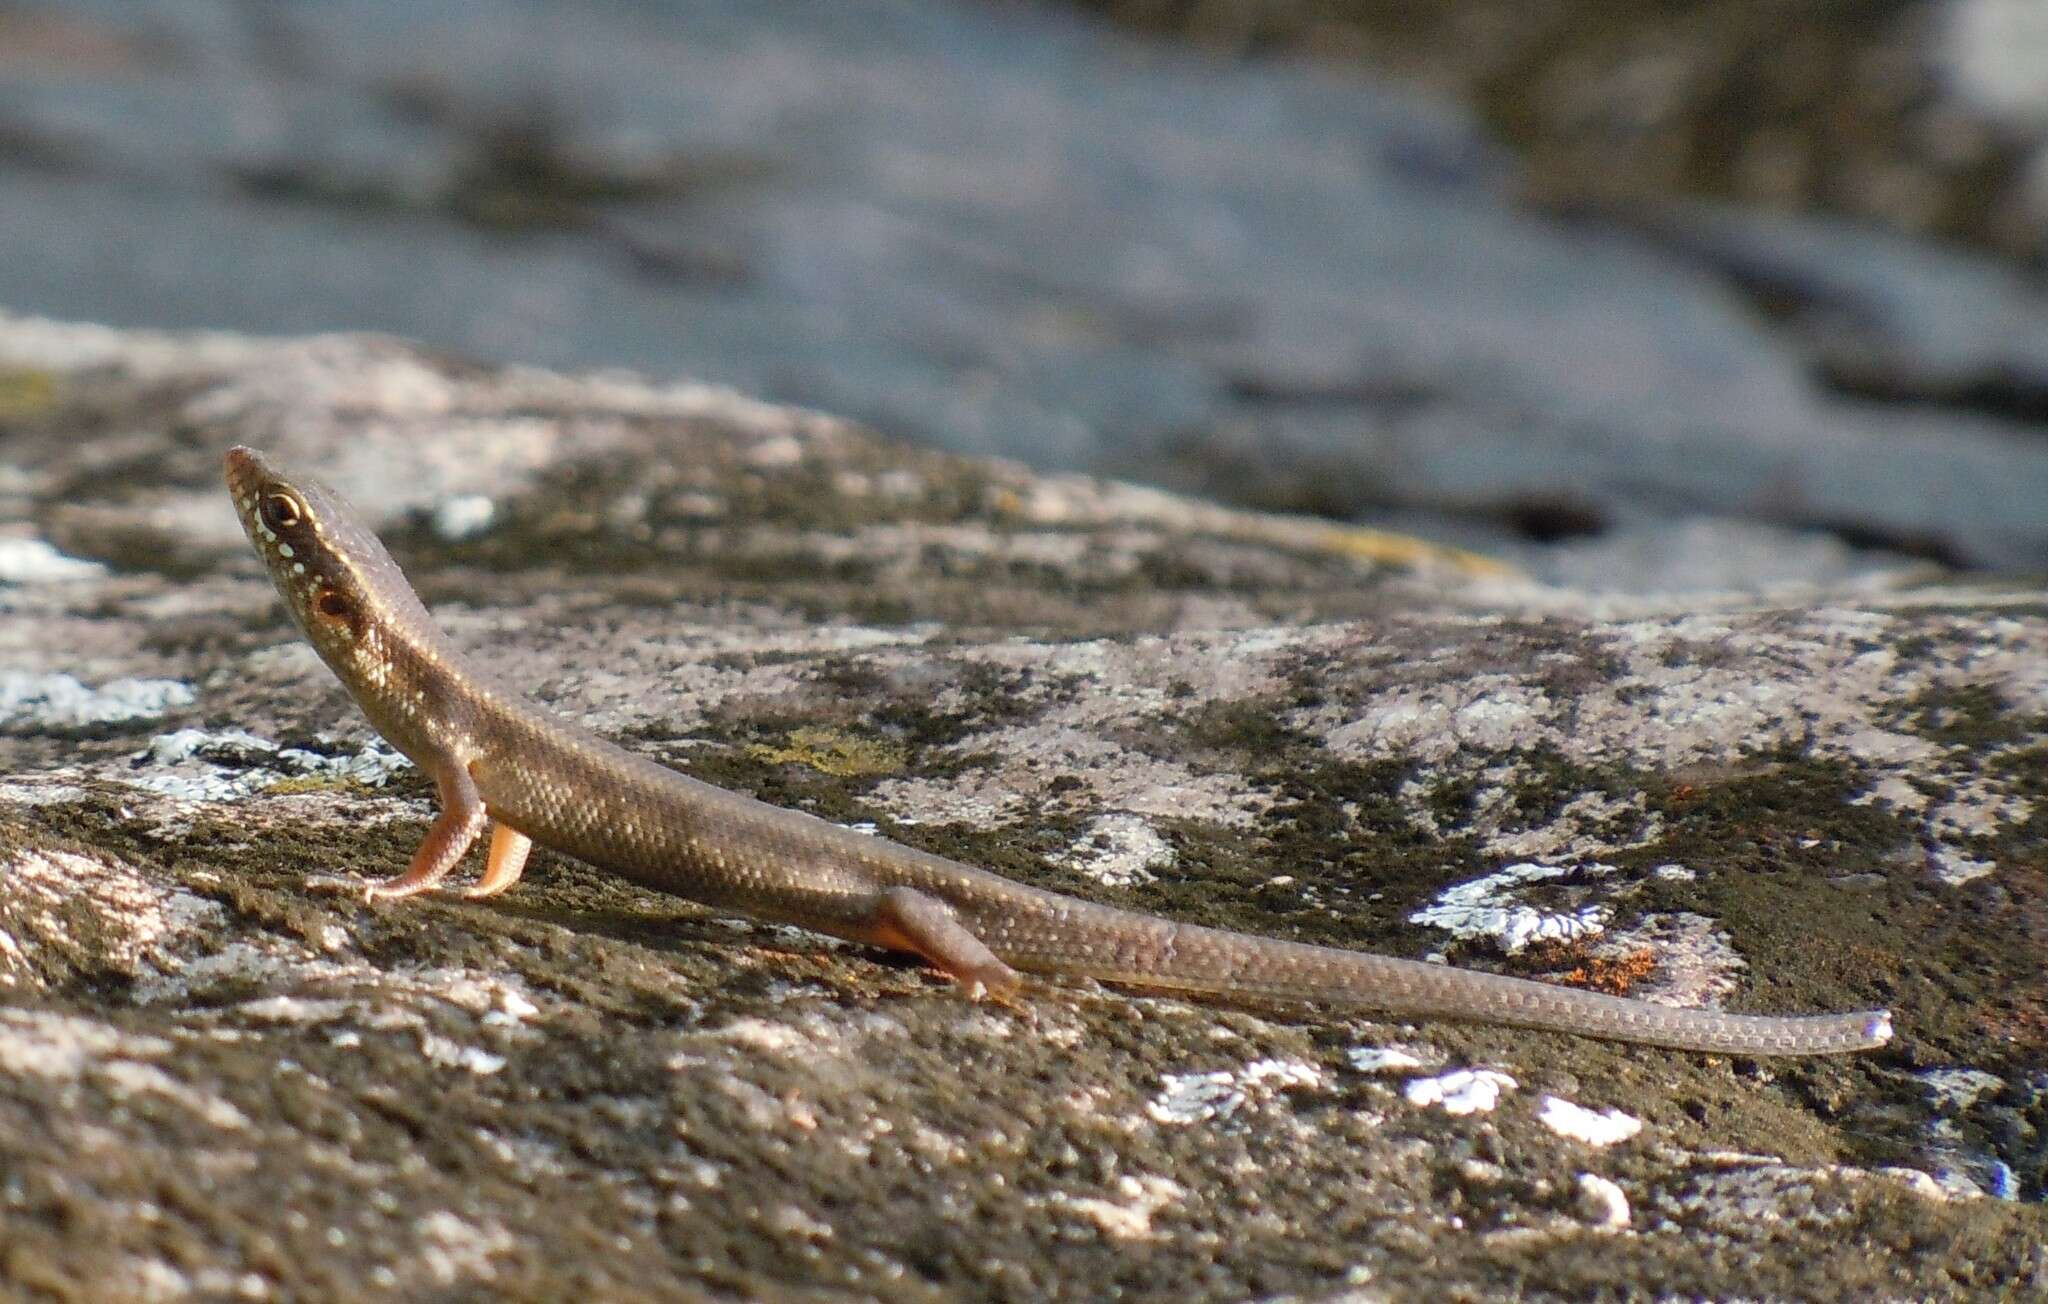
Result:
[{"x": 688, "y": 931}]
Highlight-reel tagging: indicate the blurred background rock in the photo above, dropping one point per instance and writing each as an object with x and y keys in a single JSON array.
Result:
[{"x": 1735, "y": 295}]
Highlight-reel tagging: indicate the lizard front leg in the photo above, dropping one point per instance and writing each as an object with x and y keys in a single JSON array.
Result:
[{"x": 462, "y": 818}]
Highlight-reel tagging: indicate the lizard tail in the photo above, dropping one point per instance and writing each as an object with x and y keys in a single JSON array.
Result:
[{"x": 1184, "y": 957}]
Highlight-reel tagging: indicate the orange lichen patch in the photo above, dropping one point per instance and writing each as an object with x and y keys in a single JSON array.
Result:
[{"x": 1575, "y": 964}]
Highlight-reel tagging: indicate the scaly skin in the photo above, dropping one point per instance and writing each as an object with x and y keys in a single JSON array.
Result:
[{"x": 495, "y": 756}]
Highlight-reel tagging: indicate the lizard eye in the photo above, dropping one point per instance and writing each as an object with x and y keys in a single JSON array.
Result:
[{"x": 280, "y": 511}]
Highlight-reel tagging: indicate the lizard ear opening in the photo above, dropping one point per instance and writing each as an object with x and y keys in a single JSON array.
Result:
[{"x": 334, "y": 605}]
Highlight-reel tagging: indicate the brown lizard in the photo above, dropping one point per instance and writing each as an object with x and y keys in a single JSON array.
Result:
[{"x": 497, "y": 758}]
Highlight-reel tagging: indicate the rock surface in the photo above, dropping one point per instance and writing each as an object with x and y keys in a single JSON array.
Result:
[
  {"x": 1001, "y": 229},
  {"x": 1922, "y": 116},
  {"x": 215, "y": 1081}
]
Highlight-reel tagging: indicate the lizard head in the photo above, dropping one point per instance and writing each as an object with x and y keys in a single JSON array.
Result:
[{"x": 340, "y": 584}]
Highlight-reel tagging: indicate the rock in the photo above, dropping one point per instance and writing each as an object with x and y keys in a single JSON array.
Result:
[
  {"x": 1004, "y": 229},
  {"x": 216, "y": 1080},
  {"x": 1884, "y": 318},
  {"x": 1922, "y": 117}
]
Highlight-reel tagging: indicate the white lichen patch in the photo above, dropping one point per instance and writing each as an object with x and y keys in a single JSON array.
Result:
[
  {"x": 1955, "y": 1089},
  {"x": 1436, "y": 722},
  {"x": 49, "y": 789},
  {"x": 463, "y": 516},
  {"x": 493, "y": 998},
  {"x": 123, "y": 1078},
  {"x": 1683, "y": 691},
  {"x": 1756, "y": 1191},
  {"x": 60, "y": 701},
  {"x": 450, "y": 1250},
  {"x": 232, "y": 764},
  {"x": 1129, "y": 1216},
  {"x": 291, "y": 1010},
  {"x": 222, "y": 745},
  {"x": 1976, "y": 810},
  {"x": 1603, "y": 1203},
  {"x": 268, "y": 960},
  {"x": 1601, "y": 1127},
  {"x": 1072, "y": 734},
  {"x": 1384, "y": 1059},
  {"x": 66, "y": 1048},
  {"x": 1895, "y": 792},
  {"x": 764, "y": 1035},
  {"x": 1488, "y": 907},
  {"x": 1118, "y": 850},
  {"x": 1953, "y": 868},
  {"x": 32, "y": 561},
  {"x": 448, "y": 1053},
  {"x": 1029, "y": 760},
  {"x": 1197, "y": 1097},
  {"x": 1461, "y": 1091},
  {"x": 1922, "y": 1184},
  {"x": 62, "y": 1047},
  {"x": 137, "y": 927}
]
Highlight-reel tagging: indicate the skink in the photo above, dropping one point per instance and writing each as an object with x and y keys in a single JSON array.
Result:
[{"x": 497, "y": 758}]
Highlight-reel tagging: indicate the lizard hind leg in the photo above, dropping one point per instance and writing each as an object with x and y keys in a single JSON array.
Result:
[{"x": 904, "y": 919}]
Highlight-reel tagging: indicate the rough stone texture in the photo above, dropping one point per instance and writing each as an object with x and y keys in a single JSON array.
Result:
[{"x": 218, "y": 1081}]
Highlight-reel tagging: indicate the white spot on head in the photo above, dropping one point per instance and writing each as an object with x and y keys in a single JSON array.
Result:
[
  {"x": 284, "y": 550},
  {"x": 298, "y": 568}
]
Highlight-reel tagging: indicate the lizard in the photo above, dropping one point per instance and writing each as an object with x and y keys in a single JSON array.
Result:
[{"x": 497, "y": 758}]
